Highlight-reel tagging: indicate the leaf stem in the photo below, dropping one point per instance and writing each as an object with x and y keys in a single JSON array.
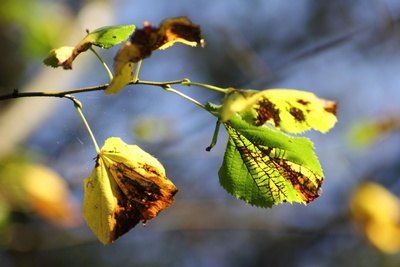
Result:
[
  {"x": 110, "y": 76},
  {"x": 78, "y": 107},
  {"x": 206, "y": 86},
  {"x": 136, "y": 75},
  {"x": 170, "y": 89},
  {"x": 162, "y": 84},
  {"x": 215, "y": 136}
]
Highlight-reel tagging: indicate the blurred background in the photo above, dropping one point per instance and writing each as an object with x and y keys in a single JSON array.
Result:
[{"x": 347, "y": 51}]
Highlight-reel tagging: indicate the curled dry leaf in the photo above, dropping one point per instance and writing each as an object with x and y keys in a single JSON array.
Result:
[
  {"x": 144, "y": 41},
  {"x": 58, "y": 56},
  {"x": 127, "y": 186}
]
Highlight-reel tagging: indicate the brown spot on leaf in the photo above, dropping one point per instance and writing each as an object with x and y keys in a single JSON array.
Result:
[
  {"x": 148, "y": 194},
  {"x": 267, "y": 112},
  {"x": 303, "y": 102},
  {"x": 303, "y": 184},
  {"x": 331, "y": 107},
  {"x": 127, "y": 215},
  {"x": 297, "y": 114}
]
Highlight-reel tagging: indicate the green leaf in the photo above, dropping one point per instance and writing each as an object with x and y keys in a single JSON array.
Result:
[
  {"x": 107, "y": 37},
  {"x": 292, "y": 111},
  {"x": 265, "y": 167},
  {"x": 213, "y": 108}
]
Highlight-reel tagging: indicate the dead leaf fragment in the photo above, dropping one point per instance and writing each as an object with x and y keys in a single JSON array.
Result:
[
  {"x": 58, "y": 56},
  {"x": 144, "y": 41}
]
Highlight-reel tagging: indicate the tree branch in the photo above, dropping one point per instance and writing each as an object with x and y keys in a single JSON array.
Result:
[{"x": 164, "y": 85}]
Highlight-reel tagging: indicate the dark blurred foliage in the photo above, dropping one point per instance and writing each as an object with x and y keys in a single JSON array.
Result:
[{"x": 342, "y": 50}]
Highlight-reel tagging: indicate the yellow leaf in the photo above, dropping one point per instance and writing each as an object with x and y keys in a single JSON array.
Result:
[
  {"x": 36, "y": 189},
  {"x": 105, "y": 210},
  {"x": 289, "y": 110},
  {"x": 122, "y": 78},
  {"x": 377, "y": 211},
  {"x": 58, "y": 56},
  {"x": 237, "y": 101},
  {"x": 127, "y": 186},
  {"x": 49, "y": 196}
]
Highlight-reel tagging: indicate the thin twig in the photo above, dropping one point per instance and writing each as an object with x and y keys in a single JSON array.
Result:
[
  {"x": 17, "y": 94},
  {"x": 187, "y": 82}
]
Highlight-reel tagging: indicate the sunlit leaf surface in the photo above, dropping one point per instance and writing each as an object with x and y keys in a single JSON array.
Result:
[
  {"x": 265, "y": 167},
  {"x": 292, "y": 111},
  {"x": 121, "y": 78},
  {"x": 127, "y": 186}
]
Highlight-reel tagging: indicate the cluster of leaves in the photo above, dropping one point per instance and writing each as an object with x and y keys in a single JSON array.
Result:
[{"x": 263, "y": 164}]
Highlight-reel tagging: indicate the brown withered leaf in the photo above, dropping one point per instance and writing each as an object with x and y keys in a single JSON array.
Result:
[{"x": 144, "y": 41}]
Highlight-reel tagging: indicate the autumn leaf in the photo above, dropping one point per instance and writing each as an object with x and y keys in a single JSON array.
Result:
[
  {"x": 49, "y": 196},
  {"x": 377, "y": 212},
  {"x": 121, "y": 78},
  {"x": 57, "y": 56},
  {"x": 265, "y": 167},
  {"x": 289, "y": 110},
  {"x": 127, "y": 186},
  {"x": 36, "y": 189},
  {"x": 144, "y": 41}
]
